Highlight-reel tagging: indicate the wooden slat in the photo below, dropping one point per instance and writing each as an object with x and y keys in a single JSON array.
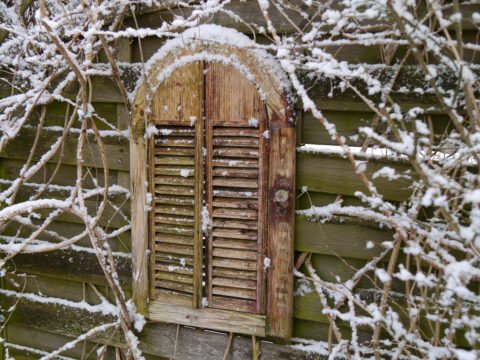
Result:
[
  {"x": 172, "y": 276},
  {"x": 235, "y": 141},
  {"x": 228, "y": 303},
  {"x": 174, "y": 285},
  {"x": 172, "y": 219},
  {"x": 174, "y": 259},
  {"x": 231, "y": 321},
  {"x": 174, "y": 200},
  {"x": 241, "y": 194},
  {"x": 235, "y": 152},
  {"x": 235, "y": 254},
  {"x": 235, "y": 244},
  {"x": 238, "y": 163},
  {"x": 234, "y": 182},
  {"x": 234, "y": 292},
  {"x": 177, "y": 190},
  {"x": 247, "y": 214},
  {"x": 235, "y": 264},
  {"x": 174, "y": 239},
  {"x": 175, "y": 160},
  {"x": 235, "y": 234},
  {"x": 174, "y": 180},
  {"x": 172, "y": 151},
  {"x": 174, "y": 229},
  {"x": 234, "y": 273},
  {"x": 187, "y": 270},
  {"x": 231, "y": 172},
  {"x": 241, "y": 284},
  {"x": 174, "y": 141},
  {"x": 185, "y": 131},
  {"x": 176, "y": 210},
  {"x": 232, "y": 224},
  {"x": 226, "y": 131},
  {"x": 174, "y": 249},
  {"x": 184, "y": 171},
  {"x": 235, "y": 203}
]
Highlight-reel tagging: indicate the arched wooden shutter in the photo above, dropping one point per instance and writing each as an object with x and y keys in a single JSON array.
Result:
[
  {"x": 176, "y": 185},
  {"x": 236, "y": 165},
  {"x": 216, "y": 220}
]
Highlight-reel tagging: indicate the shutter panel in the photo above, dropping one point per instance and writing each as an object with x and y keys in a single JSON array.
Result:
[
  {"x": 176, "y": 185},
  {"x": 235, "y": 172}
]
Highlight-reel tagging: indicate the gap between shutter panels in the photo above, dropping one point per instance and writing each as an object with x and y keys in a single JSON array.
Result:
[{"x": 235, "y": 174}]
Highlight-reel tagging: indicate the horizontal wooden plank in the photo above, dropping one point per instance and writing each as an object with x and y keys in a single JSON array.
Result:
[
  {"x": 72, "y": 265},
  {"x": 116, "y": 149},
  {"x": 321, "y": 172},
  {"x": 342, "y": 239},
  {"x": 249, "y": 324},
  {"x": 347, "y": 124},
  {"x": 158, "y": 339}
]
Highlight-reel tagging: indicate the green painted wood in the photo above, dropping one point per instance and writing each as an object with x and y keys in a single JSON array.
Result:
[
  {"x": 347, "y": 124},
  {"x": 71, "y": 265},
  {"x": 330, "y": 173},
  {"x": 59, "y": 288},
  {"x": 48, "y": 342},
  {"x": 342, "y": 239},
  {"x": 121, "y": 243},
  {"x": 116, "y": 149},
  {"x": 305, "y": 329},
  {"x": 157, "y": 338},
  {"x": 66, "y": 174}
]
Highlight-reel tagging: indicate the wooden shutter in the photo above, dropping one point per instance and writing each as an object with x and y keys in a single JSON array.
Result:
[
  {"x": 212, "y": 132},
  {"x": 176, "y": 185},
  {"x": 235, "y": 168}
]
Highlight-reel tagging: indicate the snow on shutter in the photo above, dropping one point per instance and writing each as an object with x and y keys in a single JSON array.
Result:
[
  {"x": 176, "y": 184},
  {"x": 225, "y": 156},
  {"x": 235, "y": 168}
]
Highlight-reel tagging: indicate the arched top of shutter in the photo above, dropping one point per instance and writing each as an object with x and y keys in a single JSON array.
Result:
[{"x": 214, "y": 43}]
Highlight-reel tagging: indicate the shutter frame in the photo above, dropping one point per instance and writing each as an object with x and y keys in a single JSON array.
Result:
[{"x": 281, "y": 126}]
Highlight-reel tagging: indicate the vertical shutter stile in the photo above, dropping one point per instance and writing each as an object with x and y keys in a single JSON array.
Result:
[
  {"x": 235, "y": 171},
  {"x": 176, "y": 184}
]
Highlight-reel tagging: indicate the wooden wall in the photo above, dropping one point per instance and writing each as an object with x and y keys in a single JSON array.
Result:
[{"x": 69, "y": 274}]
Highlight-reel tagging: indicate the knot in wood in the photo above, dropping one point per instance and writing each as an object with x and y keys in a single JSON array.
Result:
[{"x": 281, "y": 196}]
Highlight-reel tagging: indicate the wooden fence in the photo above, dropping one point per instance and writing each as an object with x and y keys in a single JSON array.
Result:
[{"x": 338, "y": 247}]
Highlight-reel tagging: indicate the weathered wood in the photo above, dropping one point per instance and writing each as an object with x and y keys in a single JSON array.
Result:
[
  {"x": 347, "y": 124},
  {"x": 281, "y": 232},
  {"x": 223, "y": 320},
  {"x": 158, "y": 339},
  {"x": 140, "y": 226},
  {"x": 321, "y": 172},
  {"x": 47, "y": 342},
  {"x": 73, "y": 265},
  {"x": 116, "y": 149},
  {"x": 342, "y": 239}
]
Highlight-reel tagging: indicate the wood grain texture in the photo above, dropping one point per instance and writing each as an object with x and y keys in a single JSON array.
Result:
[
  {"x": 281, "y": 232},
  {"x": 179, "y": 98},
  {"x": 159, "y": 339},
  {"x": 223, "y": 320}
]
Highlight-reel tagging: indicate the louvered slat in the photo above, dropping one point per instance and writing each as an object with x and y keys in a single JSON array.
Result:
[
  {"x": 174, "y": 210},
  {"x": 234, "y": 182}
]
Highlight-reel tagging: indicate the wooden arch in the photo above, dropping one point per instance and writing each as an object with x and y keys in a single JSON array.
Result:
[{"x": 281, "y": 173}]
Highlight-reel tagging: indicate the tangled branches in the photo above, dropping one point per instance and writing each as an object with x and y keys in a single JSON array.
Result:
[{"x": 426, "y": 51}]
